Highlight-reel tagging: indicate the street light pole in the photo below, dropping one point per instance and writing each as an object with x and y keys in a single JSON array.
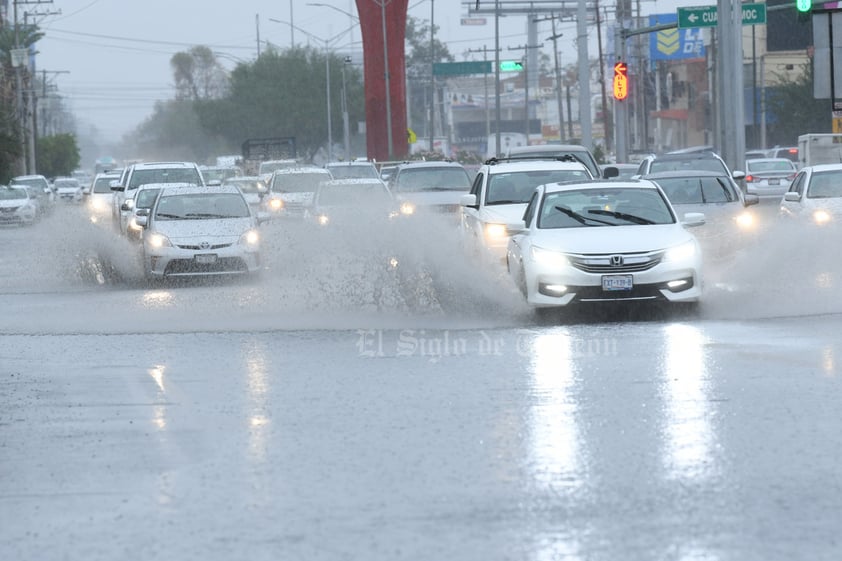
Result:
[
  {"x": 329, "y": 122},
  {"x": 346, "y": 130}
]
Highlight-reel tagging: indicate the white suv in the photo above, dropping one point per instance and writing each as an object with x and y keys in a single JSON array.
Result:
[
  {"x": 141, "y": 174},
  {"x": 494, "y": 208}
]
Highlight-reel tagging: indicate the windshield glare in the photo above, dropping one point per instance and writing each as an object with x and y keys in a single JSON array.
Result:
[
  {"x": 201, "y": 206},
  {"x": 517, "y": 187},
  {"x": 354, "y": 172},
  {"x": 146, "y": 176},
  {"x": 433, "y": 179},
  {"x": 698, "y": 190},
  {"x": 603, "y": 207}
]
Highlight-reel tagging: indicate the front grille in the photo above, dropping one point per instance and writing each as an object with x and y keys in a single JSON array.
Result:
[
  {"x": 608, "y": 263},
  {"x": 8, "y": 209},
  {"x": 198, "y": 247},
  {"x": 596, "y": 294},
  {"x": 190, "y": 267}
]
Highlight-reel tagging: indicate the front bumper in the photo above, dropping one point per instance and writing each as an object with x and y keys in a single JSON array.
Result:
[
  {"x": 175, "y": 261},
  {"x": 680, "y": 282},
  {"x": 18, "y": 215}
]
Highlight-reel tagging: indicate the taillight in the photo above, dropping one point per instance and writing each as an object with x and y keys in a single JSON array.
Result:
[
  {"x": 750, "y": 179},
  {"x": 790, "y": 177}
]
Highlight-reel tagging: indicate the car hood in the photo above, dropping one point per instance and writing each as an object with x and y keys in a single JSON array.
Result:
[
  {"x": 504, "y": 214},
  {"x": 612, "y": 239},
  {"x": 832, "y": 205},
  {"x": 431, "y": 198},
  {"x": 203, "y": 229},
  {"x": 13, "y": 203},
  {"x": 304, "y": 197},
  {"x": 69, "y": 189}
]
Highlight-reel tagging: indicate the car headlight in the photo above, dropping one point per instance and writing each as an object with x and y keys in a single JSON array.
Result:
[
  {"x": 548, "y": 258},
  {"x": 495, "y": 231},
  {"x": 157, "y": 240},
  {"x": 99, "y": 205},
  {"x": 407, "y": 208},
  {"x": 745, "y": 221},
  {"x": 394, "y": 214},
  {"x": 687, "y": 250},
  {"x": 821, "y": 217},
  {"x": 276, "y": 204},
  {"x": 322, "y": 219},
  {"x": 250, "y": 238}
]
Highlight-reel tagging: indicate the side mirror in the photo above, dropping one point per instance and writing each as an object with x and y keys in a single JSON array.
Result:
[
  {"x": 792, "y": 197},
  {"x": 142, "y": 220},
  {"x": 752, "y": 200},
  {"x": 468, "y": 200},
  {"x": 693, "y": 219},
  {"x": 115, "y": 186},
  {"x": 737, "y": 175},
  {"x": 518, "y": 227},
  {"x": 610, "y": 171},
  {"x": 142, "y": 212}
]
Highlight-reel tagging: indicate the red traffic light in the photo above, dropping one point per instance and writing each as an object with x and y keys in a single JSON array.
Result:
[{"x": 621, "y": 81}]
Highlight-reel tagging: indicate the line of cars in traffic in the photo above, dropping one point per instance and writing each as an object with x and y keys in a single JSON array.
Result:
[{"x": 565, "y": 230}]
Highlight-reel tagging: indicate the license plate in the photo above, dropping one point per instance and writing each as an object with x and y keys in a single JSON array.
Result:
[
  {"x": 774, "y": 182},
  {"x": 617, "y": 282},
  {"x": 206, "y": 259}
]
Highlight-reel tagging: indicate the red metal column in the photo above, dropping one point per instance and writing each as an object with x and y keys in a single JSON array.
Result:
[{"x": 375, "y": 78}]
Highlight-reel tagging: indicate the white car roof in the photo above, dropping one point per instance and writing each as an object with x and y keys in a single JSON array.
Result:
[
  {"x": 355, "y": 181},
  {"x": 601, "y": 184},
  {"x": 533, "y": 165},
  {"x": 164, "y": 165},
  {"x": 300, "y": 170},
  {"x": 825, "y": 167}
]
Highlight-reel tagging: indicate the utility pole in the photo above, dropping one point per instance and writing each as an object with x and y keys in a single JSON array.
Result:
[
  {"x": 606, "y": 121},
  {"x": 584, "y": 73},
  {"x": 525, "y": 49},
  {"x": 554, "y": 39},
  {"x": 484, "y": 50},
  {"x": 33, "y": 100},
  {"x": 432, "y": 130},
  {"x": 497, "y": 75}
]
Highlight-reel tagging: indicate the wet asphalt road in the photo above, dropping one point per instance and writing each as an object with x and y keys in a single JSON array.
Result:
[{"x": 256, "y": 421}]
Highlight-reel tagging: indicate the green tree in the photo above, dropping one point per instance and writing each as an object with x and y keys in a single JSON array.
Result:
[
  {"x": 793, "y": 110},
  {"x": 57, "y": 155},
  {"x": 198, "y": 75},
  {"x": 284, "y": 94}
]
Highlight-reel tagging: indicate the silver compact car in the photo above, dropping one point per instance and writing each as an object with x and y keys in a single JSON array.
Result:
[
  {"x": 17, "y": 206},
  {"x": 200, "y": 231}
]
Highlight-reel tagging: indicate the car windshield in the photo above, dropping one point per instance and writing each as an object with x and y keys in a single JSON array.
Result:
[
  {"x": 696, "y": 164},
  {"x": 578, "y": 208},
  {"x": 34, "y": 182},
  {"x": 146, "y": 198},
  {"x": 218, "y": 174},
  {"x": 365, "y": 194},
  {"x": 433, "y": 179},
  {"x": 103, "y": 184},
  {"x": 11, "y": 194},
  {"x": 298, "y": 182},
  {"x": 351, "y": 171},
  {"x": 761, "y": 166},
  {"x": 164, "y": 175},
  {"x": 201, "y": 206},
  {"x": 825, "y": 185},
  {"x": 517, "y": 187},
  {"x": 248, "y": 186},
  {"x": 66, "y": 184},
  {"x": 269, "y": 167},
  {"x": 698, "y": 190}
]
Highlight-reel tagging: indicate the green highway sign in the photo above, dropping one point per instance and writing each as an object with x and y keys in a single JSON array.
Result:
[
  {"x": 511, "y": 66},
  {"x": 462, "y": 68},
  {"x": 706, "y": 16}
]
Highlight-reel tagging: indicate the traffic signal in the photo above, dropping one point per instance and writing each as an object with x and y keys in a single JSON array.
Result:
[
  {"x": 621, "y": 81},
  {"x": 803, "y": 5}
]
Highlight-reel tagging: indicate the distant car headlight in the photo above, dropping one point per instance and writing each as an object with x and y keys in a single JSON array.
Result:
[
  {"x": 99, "y": 205},
  {"x": 276, "y": 204},
  {"x": 745, "y": 221},
  {"x": 250, "y": 238},
  {"x": 322, "y": 219},
  {"x": 682, "y": 252},
  {"x": 548, "y": 258},
  {"x": 157, "y": 240},
  {"x": 821, "y": 217},
  {"x": 495, "y": 231},
  {"x": 407, "y": 208}
]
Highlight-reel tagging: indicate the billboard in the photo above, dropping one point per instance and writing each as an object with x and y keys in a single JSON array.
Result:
[{"x": 674, "y": 44}]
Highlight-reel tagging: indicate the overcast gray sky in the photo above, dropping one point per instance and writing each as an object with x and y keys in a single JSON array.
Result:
[{"x": 117, "y": 52}]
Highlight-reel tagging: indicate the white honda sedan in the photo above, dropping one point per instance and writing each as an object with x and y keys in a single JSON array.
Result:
[
  {"x": 604, "y": 241},
  {"x": 200, "y": 231}
]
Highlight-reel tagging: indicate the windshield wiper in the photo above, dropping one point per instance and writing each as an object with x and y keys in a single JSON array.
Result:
[
  {"x": 165, "y": 215},
  {"x": 622, "y": 216},
  {"x": 506, "y": 202},
  {"x": 579, "y": 218},
  {"x": 200, "y": 215}
]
